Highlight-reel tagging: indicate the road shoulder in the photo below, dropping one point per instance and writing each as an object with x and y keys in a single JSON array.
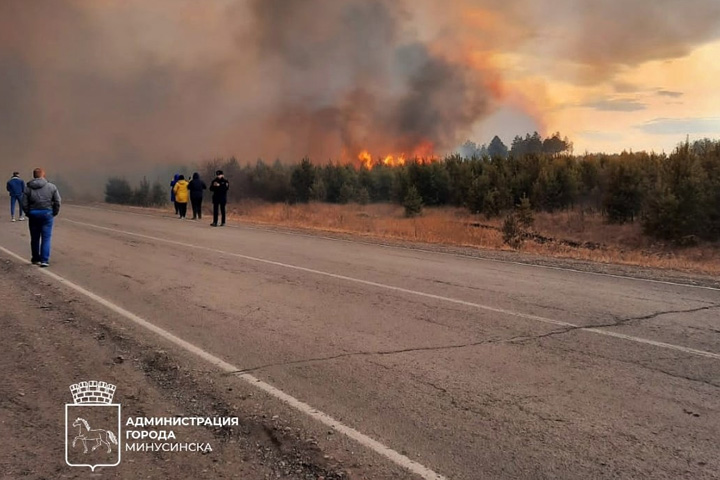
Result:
[{"x": 53, "y": 338}]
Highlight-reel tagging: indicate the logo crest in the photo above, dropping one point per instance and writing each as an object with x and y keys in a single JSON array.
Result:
[{"x": 92, "y": 426}]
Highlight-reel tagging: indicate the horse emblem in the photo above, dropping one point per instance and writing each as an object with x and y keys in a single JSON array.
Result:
[
  {"x": 100, "y": 437},
  {"x": 92, "y": 426}
]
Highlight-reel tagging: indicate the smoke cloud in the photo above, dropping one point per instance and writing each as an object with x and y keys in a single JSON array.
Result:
[{"x": 116, "y": 86}]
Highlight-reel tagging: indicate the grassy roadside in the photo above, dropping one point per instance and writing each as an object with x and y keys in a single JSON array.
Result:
[{"x": 571, "y": 234}]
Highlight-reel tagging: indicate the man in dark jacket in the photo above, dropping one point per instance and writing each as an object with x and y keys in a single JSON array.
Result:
[
  {"x": 219, "y": 187},
  {"x": 196, "y": 187},
  {"x": 16, "y": 187},
  {"x": 41, "y": 202}
]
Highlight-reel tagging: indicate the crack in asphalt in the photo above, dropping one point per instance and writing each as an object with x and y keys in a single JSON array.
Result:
[
  {"x": 619, "y": 322},
  {"x": 708, "y": 329},
  {"x": 373, "y": 353},
  {"x": 668, "y": 312},
  {"x": 515, "y": 340},
  {"x": 462, "y": 405},
  {"x": 650, "y": 367},
  {"x": 683, "y": 377}
]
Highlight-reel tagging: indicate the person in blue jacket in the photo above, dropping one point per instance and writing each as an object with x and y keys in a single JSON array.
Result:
[
  {"x": 172, "y": 193},
  {"x": 16, "y": 187}
]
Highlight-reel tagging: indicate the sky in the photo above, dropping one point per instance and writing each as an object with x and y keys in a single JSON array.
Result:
[{"x": 119, "y": 85}]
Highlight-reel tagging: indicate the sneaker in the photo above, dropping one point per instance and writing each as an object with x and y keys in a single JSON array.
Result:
[
  {"x": 22, "y": 219},
  {"x": 44, "y": 264},
  {"x": 213, "y": 224},
  {"x": 35, "y": 262},
  {"x": 222, "y": 224},
  {"x": 12, "y": 219}
]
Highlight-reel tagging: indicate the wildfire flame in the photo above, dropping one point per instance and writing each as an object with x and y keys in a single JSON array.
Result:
[
  {"x": 367, "y": 161},
  {"x": 421, "y": 153}
]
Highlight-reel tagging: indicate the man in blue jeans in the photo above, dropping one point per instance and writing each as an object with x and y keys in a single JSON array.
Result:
[
  {"x": 41, "y": 202},
  {"x": 15, "y": 187}
]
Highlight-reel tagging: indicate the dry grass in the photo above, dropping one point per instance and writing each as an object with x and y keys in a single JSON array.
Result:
[
  {"x": 621, "y": 244},
  {"x": 625, "y": 244},
  {"x": 440, "y": 226}
]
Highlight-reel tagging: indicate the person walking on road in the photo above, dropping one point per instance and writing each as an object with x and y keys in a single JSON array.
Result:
[
  {"x": 16, "y": 187},
  {"x": 219, "y": 187},
  {"x": 41, "y": 202},
  {"x": 181, "y": 196},
  {"x": 172, "y": 193},
  {"x": 196, "y": 188}
]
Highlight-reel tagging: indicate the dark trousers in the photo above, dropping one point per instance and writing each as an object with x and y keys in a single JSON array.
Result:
[
  {"x": 197, "y": 207},
  {"x": 13, "y": 199},
  {"x": 40, "y": 223},
  {"x": 177, "y": 207},
  {"x": 218, "y": 206},
  {"x": 182, "y": 209}
]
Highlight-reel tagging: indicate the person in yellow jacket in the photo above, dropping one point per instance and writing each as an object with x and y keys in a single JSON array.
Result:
[{"x": 182, "y": 195}]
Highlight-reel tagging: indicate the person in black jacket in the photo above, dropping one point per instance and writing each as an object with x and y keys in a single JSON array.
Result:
[
  {"x": 196, "y": 187},
  {"x": 219, "y": 187}
]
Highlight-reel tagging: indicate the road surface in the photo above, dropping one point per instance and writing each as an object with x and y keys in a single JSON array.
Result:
[{"x": 470, "y": 368}]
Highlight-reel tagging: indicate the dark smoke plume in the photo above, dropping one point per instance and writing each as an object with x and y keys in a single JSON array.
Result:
[
  {"x": 349, "y": 76},
  {"x": 120, "y": 85}
]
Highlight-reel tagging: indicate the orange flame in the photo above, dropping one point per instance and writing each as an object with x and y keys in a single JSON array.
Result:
[
  {"x": 423, "y": 153},
  {"x": 366, "y": 159},
  {"x": 394, "y": 161}
]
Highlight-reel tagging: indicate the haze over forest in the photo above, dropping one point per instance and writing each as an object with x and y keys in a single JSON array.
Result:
[{"x": 110, "y": 87}]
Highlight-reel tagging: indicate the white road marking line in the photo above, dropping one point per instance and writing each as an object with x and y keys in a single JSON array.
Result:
[
  {"x": 456, "y": 301},
  {"x": 450, "y": 254},
  {"x": 387, "y": 452}
]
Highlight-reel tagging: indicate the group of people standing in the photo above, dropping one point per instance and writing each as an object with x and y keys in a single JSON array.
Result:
[
  {"x": 182, "y": 191},
  {"x": 40, "y": 201}
]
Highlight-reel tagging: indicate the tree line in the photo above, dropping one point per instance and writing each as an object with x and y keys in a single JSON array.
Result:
[
  {"x": 676, "y": 196},
  {"x": 119, "y": 191}
]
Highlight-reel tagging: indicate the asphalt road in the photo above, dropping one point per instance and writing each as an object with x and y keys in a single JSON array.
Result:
[{"x": 470, "y": 367}]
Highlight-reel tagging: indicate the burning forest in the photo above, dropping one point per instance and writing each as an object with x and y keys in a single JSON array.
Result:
[
  {"x": 330, "y": 79},
  {"x": 96, "y": 88}
]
